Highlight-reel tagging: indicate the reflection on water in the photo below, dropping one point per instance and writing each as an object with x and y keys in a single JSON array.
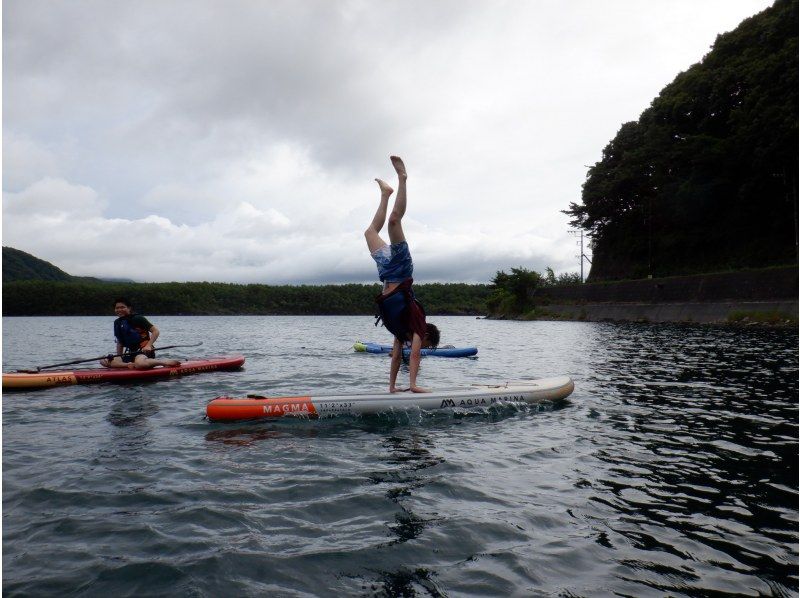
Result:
[
  {"x": 251, "y": 435},
  {"x": 417, "y": 582},
  {"x": 408, "y": 458},
  {"x": 701, "y": 454},
  {"x": 132, "y": 409}
]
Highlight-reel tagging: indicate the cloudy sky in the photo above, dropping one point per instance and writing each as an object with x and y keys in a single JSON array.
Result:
[{"x": 238, "y": 140}]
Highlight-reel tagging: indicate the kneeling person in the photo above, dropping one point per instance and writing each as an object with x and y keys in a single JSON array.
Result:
[{"x": 135, "y": 337}]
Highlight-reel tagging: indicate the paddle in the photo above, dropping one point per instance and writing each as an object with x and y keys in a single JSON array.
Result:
[{"x": 55, "y": 365}]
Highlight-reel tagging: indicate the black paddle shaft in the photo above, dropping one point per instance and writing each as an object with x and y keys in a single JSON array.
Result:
[{"x": 55, "y": 365}]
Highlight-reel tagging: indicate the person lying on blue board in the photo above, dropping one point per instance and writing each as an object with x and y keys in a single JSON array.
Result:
[
  {"x": 135, "y": 337},
  {"x": 400, "y": 311}
]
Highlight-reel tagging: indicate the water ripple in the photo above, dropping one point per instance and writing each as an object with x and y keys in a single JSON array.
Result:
[{"x": 672, "y": 469}]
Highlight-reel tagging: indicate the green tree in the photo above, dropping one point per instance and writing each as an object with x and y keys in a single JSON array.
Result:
[
  {"x": 706, "y": 179},
  {"x": 513, "y": 293}
]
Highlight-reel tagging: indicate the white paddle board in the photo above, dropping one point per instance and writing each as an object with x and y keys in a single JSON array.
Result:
[{"x": 475, "y": 397}]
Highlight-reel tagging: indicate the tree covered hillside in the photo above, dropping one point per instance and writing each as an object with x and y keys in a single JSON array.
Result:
[
  {"x": 18, "y": 265},
  {"x": 34, "y": 287},
  {"x": 46, "y": 298},
  {"x": 706, "y": 179}
]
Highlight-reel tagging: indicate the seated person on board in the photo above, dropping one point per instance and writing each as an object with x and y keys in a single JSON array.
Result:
[
  {"x": 135, "y": 337},
  {"x": 401, "y": 313}
]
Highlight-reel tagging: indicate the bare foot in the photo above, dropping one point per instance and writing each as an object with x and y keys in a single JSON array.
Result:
[
  {"x": 399, "y": 167},
  {"x": 386, "y": 190},
  {"x": 172, "y": 362}
]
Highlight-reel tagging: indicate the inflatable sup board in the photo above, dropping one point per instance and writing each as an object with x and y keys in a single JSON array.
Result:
[
  {"x": 49, "y": 378},
  {"x": 475, "y": 397},
  {"x": 437, "y": 352}
]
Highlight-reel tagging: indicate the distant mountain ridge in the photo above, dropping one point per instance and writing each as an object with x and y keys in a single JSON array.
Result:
[{"x": 18, "y": 265}]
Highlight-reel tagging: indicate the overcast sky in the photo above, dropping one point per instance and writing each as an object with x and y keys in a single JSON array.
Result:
[{"x": 238, "y": 140}]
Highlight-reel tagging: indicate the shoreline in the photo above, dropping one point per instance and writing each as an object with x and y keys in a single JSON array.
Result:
[{"x": 778, "y": 314}]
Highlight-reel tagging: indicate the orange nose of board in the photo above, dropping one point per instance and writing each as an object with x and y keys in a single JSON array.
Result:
[{"x": 232, "y": 409}]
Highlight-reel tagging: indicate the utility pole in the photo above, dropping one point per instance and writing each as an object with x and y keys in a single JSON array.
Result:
[{"x": 582, "y": 256}]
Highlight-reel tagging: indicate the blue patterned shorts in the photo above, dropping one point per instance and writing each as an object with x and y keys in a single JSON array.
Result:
[{"x": 394, "y": 262}]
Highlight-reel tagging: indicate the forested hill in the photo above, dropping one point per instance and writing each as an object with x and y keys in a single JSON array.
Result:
[
  {"x": 18, "y": 265},
  {"x": 47, "y": 298},
  {"x": 706, "y": 179},
  {"x": 34, "y": 287}
]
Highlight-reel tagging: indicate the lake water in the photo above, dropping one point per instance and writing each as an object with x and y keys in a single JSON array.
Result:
[{"x": 671, "y": 470}]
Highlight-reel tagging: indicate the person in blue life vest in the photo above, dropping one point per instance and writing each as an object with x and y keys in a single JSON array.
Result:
[
  {"x": 401, "y": 313},
  {"x": 135, "y": 336}
]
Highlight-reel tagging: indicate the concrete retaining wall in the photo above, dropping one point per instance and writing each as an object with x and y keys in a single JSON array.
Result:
[
  {"x": 769, "y": 284},
  {"x": 768, "y": 294},
  {"x": 783, "y": 312}
]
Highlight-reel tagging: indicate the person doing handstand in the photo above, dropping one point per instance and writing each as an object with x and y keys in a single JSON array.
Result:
[{"x": 401, "y": 313}]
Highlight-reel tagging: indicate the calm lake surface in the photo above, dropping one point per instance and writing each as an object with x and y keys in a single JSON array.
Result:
[{"x": 671, "y": 470}]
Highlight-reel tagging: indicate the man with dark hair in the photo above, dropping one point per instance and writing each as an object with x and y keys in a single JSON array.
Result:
[
  {"x": 135, "y": 337},
  {"x": 401, "y": 313}
]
